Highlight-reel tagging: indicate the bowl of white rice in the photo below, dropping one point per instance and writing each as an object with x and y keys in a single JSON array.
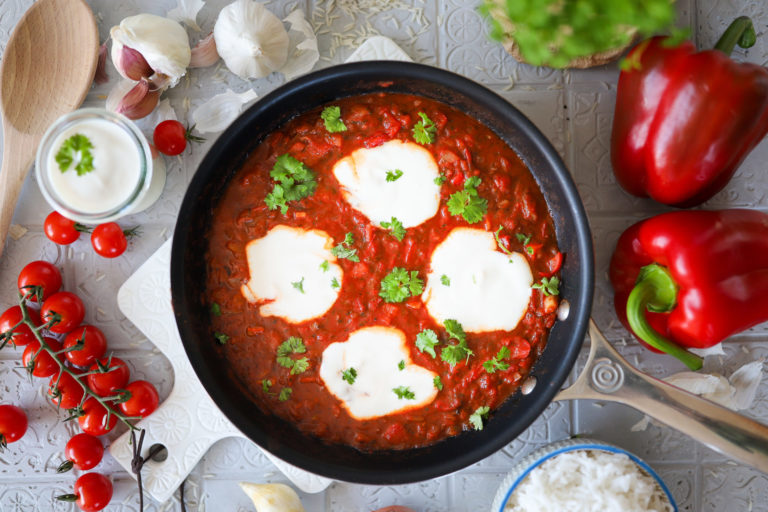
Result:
[{"x": 583, "y": 475}]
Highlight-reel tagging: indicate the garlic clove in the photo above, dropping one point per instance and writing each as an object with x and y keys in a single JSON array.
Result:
[
  {"x": 252, "y": 41},
  {"x": 204, "y": 53},
  {"x": 186, "y": 12},
  {"x": 217, "y": 113},
  {"x": 303, "y": 46},
  {"x": 162, "y": 42},
  {"x": 139, "y": 101},
  {"x": 131, "y": 64},
  {"x": 101, "y": 76},
  {"x": 272, "y": 497}
]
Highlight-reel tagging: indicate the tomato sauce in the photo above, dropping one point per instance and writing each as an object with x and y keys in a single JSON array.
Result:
[{"x": 463, "y": 147}]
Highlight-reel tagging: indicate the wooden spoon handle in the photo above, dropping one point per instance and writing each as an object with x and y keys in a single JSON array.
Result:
[{"x": 18, "y": 156}]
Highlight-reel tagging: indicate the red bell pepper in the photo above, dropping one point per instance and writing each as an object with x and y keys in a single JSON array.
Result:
[
  {"x": 685, "y": 120},
  {"x": 692, "y": 278}
]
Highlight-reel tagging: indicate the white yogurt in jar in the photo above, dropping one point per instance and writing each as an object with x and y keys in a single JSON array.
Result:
[
  {"x": 123, "y": 178},
  {"x": 116, "y": 168}
]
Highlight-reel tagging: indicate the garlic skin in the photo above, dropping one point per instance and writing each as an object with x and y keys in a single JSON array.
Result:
[
  {"x": 252, "y": 41},
  {"x": 272, "y": 497},
  {"x": 204, "y": 53},
  {"x": 162, "y": 42},
  {"x": 186, "y": 12},
  {"x": 218, "y": 112},
  {"x": 304, "y": 52}
]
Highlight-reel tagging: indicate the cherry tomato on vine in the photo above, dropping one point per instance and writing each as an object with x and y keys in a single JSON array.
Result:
[
  {"x": 22, "y": 334},
  {"x": 68, "y": 393},
  {"x": 94, "y": 420},
  {"x": 110, "y": 240},
  {"x": 39, "y": 273},
  {"x": 82, "y": 451},
  {"x": 13, "y": 424},
  {"x": 93, "y": 492},
  {"x": 94, "y": 345},
  {"x": 68, "y": 306},
  {"x": 44, "y": 365},
  {"x": 62, "y": 230},
  {"x": 170, "y": 137},
  {"x": 144, "y": 399},
  {"x": 105, "y": 384}
]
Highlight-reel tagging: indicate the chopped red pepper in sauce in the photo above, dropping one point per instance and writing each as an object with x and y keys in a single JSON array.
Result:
[{"x": 463, "y": 147}]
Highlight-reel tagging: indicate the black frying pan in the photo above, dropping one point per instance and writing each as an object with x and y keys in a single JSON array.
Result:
[{"x": 228, "y": 154}]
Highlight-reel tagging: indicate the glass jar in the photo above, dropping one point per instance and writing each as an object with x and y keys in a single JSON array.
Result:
[{"x": 123, "y": 179}]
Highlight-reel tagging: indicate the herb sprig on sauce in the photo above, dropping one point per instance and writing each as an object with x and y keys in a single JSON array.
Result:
[
  {"x": 424, "y": 131},
  {"x": 292, "y": 345},
  {"x": 468, "y": 203},
  {"x": 295, "y": 181},
  {"x": 331, "y": 116},
  {"x": 400, "y": 284},
  {"x": 345, "y": 251}
]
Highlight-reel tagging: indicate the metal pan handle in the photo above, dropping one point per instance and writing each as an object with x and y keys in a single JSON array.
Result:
[{"x": 608, "y": 376}]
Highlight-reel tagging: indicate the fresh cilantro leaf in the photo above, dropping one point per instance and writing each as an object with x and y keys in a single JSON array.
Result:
[
  {"x": 335, "y": 284},
  {"x": 426, "y": 341},
  {"x": 292, "y": 345},
  {"x": 299, "y": 285},
  {"x": 453, "y": 354},
  {"x": 221, "y": 338},
  {"x": 394, "y": 175},
  {"x": 295, "y": 181},
  {"x": 349, "y": 375},
  {"x": 399, "y": 284},
  {"x": 437, "y": 383},
  {"x": 265, "y": 385},
  {"x": 343, "y": 250},
  {"x": 300, "y": 366},
  {"x": 476, "y": 418},
  {"x": 395, "y": 227},
  {"x": 215, "y": 309},
  {"x": 445, "y": 280},
  {"x": 467, "y": 202},
  {"x": 424, "y": 131},
  {"x": 523, "y": 238},
  {"x": 455, "y": 330},
  {"x": 501, "y": 244},
  {"x": 76, "y": 150},
  {"x": 497, "y": 363},
  {"x": 332, "y": 118},
  {"x": 548, "y": 286},
  {"x": 401, "y": 365},
  {"x": 285, "y": 394},
  {"x": 404, "y": 392},
  {"x": 325, "y": 266},
  {"x": 440, "y": 179}
]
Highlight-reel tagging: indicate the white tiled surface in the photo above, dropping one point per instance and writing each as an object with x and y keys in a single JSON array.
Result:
[{"x": 573, "y": 108}]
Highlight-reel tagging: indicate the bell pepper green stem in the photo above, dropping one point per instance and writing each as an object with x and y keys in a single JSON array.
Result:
[
  {"x": 656, "y": 291},
  {"x": 741, "y": 31}
]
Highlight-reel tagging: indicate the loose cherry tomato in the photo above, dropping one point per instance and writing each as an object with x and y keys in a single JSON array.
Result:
[
  {"x": 170, "y": 137},
  {"x": 93, "y": 492},
  {"x": 22, "y": 334},
  {"x": 105, "y": 384},
  {"x": 109, "y": 240},
  {"x": 62, "y": 230},
  {"x": 68, "y": 393},
  {"x": 94, "y": 420},
  {"x": 94, "y": 345},
  {"x": 82, "y": 451},
  {"x": 68, "y": 306},
  {"x": 42, "y": 274},
  {"x": 44, "y": 365},
  {"x": 13, "y": 424},
  {"x": 144, "y": 399}
]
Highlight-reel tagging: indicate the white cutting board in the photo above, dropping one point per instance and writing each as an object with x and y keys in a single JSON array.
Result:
[{"x": 188, "y": 423}]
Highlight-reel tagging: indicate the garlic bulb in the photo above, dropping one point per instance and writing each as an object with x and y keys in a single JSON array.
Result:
[
  {"x": 252, "y": 41},
  {"x": 272, "y": 497},
  {"x": 161, "y": 43}
]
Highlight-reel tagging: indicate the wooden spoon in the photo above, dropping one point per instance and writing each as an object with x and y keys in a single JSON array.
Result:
[{"x": 47, "y": 69}]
